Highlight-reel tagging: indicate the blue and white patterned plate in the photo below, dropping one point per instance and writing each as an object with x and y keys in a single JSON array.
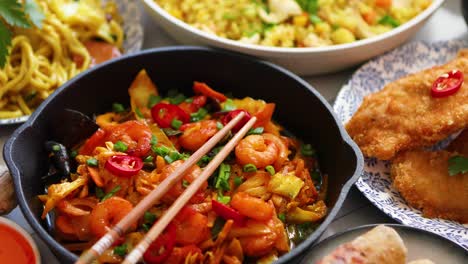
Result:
[
  {"x": 131, "y": 14},
  {"x": 375, "y": 182}
]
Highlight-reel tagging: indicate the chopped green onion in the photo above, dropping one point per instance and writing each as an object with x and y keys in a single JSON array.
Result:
[
  {"x": 223, "y": 199},
  {"x": 185, "y": 183},
  {"x": 99, "y": 193},
  {"x": 250, "y": 168},
  {"x": 173, "y": 156},
  {"x": 92, "y": 162},
  {"x": 120, "y": 250},
  {"x": 222, "y": 180},
  {"x": 154, "y": 140},
  {"x": 120, "y": 146},
  {"x": 161, "y": 150},
  {"x": 388, "y": 20},
  {"x": 73, "y": 154},
  {"x": 255, "y": 131},
  {"x": 199, "y": 115},
  {"x": 189, "y": 100},
  {"x": 315, "y": 19},
  {"x": 176, "y": 124},
  {"x": 55, "y": 148},
  {"x": 282, "y": 217},
  {"x": 237, "y": 181},
  {"x": 204, "y": 161},
  {"x": 111, "y": 193},
  {"x": 179, "y": 98},
  {"x": 149, "y": 217},
  {"x": 118, "y": 108},
  {"x": 138, "y": 113},
  {"x": 148, "y": 159},
  {"x": 229, "y": 105},
  {"x": 153, "y": 100},
  {"x": 270, "y": 169},
  {"x": 307, "y": 150},
  {"x": 219, "y": 125}
]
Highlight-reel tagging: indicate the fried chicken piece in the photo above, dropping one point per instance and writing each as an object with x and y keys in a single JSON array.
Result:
[
  {"x": 405, "y": 116},
  {"x": 423, "y": 180}
]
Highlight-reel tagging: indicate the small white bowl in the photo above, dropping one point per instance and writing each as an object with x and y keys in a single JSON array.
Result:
[
  {"x": 303, "y": 61},
  {"x": 8, "y": 223}
]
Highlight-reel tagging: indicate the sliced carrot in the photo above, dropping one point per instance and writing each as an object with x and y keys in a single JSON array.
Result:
[
  {"x": 383, "y": 3},
  {"x": 204, "y": 89},
  {"x": 94, "y": 173}
]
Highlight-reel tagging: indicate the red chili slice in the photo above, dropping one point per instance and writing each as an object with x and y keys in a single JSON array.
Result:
[
  {"x": 163, "y": 114},
  {"x": 231, "y": 115},
  {"x": 160, "y": 250},
  {"x": 447, "y": 84},
  {"x": 227, "y": 212},
  {"x": 124, "y": 165}
]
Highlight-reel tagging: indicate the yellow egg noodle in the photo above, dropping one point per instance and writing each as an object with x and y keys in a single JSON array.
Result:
[{"x": 42, "y": 59}]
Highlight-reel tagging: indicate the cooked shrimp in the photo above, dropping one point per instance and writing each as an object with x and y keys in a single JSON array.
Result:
[
  {"x": 259, "y": 150},
  {"x": 252, "y": 207},
  {"x": 178, "y": 188},
  {"x": 258, "y": 245},
  {"x": 134, "y": 134},
  {"x": 283, "y": 150},
  {"x": 108, "y": 213},
  {"x": 196, "y": 134}
]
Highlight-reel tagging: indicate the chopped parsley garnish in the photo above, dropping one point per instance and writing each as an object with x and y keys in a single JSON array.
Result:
[
  {"x": 458, "y": 165},
  {"x": 388, "y": 20}
]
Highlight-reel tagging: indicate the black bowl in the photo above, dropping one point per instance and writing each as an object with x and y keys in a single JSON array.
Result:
[{"x": 300, "y": 108}]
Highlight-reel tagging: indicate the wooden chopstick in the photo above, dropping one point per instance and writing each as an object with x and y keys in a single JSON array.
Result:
[
  {"x": 123, "y": 225},
  {"x": 135, "y": 255}
]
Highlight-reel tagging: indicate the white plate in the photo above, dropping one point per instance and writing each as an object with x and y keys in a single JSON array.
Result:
[
  {"x": 420, "y": 244},
  {"x": 131, "y": 14},
  {"x": 375, "y": 182}
]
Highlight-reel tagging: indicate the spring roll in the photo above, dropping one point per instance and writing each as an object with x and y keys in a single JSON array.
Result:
[{"x": 381, "y": 245}]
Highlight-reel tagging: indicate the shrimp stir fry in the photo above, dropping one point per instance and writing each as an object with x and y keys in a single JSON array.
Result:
[{"x": 264, "y": 199}]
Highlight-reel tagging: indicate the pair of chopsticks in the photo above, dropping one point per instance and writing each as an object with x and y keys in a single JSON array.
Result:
[{"x": 120, "y": 228}]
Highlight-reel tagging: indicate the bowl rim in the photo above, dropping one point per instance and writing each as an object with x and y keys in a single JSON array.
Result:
[
  {"x": 7, "y": 222},
  {"x": 266, "y": 50},
  {"x": 367, "y": 227},
  {"x": 29, "y": 124}
]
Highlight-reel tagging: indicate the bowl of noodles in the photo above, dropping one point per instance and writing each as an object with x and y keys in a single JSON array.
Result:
[
  {"x": 153, "y": 110},
  {"x": 308, "y": 37},
  {"x": 73, "y": 36}
]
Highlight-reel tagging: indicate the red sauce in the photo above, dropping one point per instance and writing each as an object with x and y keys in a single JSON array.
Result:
[{"x": 14, "y": 248}]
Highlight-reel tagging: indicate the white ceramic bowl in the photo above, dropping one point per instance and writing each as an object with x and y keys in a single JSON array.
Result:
[{"x": 303, "y": 61}]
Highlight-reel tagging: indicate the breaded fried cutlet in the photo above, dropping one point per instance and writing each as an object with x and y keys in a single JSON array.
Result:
[
  {"x": 423, "y": 180},
  {"x": 404, "y": 115}
]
